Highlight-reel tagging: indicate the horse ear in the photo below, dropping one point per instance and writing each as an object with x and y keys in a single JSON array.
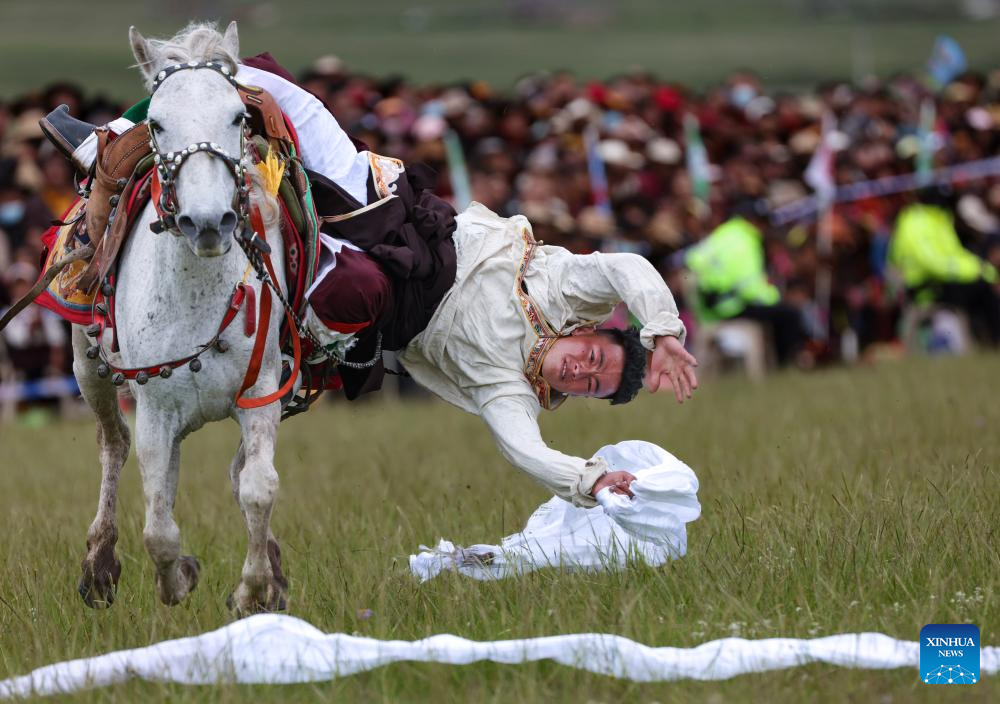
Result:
[
  {"x": 144, "y": 53},
  {"x": 231, "y": 40}
]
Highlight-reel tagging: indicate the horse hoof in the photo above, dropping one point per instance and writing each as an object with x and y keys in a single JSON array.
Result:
[
  {"x": 95, "y": 598},
  {"x": 189, "y": 569},
  {"x": 185, "y": 580},
  {"x": 246, "y": 601},
  {"x": 100, "y": 581}
]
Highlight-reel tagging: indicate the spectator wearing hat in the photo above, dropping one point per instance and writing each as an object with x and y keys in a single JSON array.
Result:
[
  {"x": 23, "y": 215},
  {"x": 36, "y": 338}
]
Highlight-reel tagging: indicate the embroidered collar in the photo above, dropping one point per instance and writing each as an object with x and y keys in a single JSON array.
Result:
[{"x": 546, "y": 335}]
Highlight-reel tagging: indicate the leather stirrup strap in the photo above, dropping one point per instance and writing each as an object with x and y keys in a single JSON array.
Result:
[
  {"x": 268, "y": 115},
  {"x": 106, "y": 251}
]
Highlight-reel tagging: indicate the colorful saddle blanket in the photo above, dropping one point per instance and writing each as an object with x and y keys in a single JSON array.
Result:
[{"x": 62, "y": 296}]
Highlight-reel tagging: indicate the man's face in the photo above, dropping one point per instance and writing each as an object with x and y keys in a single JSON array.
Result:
[{"x": 585, "y": 363}]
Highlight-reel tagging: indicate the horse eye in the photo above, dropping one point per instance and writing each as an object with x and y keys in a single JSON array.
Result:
[
  {"x": 155, "y": 126},
  {"x": 238, "y": 120}
]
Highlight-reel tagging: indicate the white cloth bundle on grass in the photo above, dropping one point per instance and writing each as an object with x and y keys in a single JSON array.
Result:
[
  {"x": 650, "y": 527},
  {"x": 273, "y": 649}
]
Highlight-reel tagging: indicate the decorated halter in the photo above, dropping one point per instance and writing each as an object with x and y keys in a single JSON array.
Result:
[{"x": 168, "y": 164}]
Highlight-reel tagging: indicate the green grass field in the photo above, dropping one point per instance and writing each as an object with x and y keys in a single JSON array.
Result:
[
  {"x": 791, "y": 43},
  {"x": 840, "y": 501}
]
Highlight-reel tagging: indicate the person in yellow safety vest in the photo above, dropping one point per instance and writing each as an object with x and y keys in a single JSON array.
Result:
[
  {"x": 732, "y": 282},
  {"x": 935, "y": 267}
]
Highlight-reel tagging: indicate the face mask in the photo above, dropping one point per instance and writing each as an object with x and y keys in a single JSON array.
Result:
[
  {"x": 741, "y": 95},
  {"x": 11, "y": 213}
]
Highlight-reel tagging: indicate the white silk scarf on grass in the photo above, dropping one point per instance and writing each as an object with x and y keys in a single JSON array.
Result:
[{"x": 650, "y": 527}]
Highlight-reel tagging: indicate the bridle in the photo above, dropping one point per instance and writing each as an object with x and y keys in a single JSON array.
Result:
[{"x": 169, "y": 164}]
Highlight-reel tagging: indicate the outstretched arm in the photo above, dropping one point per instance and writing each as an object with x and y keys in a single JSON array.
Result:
[
  {"x": 513, "y": 421},
  {"x": 595, "y": 280},
  {"x": 592, "y": 283}
]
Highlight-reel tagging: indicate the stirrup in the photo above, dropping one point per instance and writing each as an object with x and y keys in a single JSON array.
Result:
[{"x": 67, "y": 134}]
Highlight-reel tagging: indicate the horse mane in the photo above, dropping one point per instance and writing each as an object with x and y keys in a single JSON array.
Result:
[{"x": 198, "y": 41}]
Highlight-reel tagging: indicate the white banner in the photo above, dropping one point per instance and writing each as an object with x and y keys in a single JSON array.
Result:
[
  {"x": 807, "y": 208},
  {"x": 274, "y": 649}
]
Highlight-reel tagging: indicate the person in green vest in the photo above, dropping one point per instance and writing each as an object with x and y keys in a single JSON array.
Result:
[
  {"x": 936, "y": 268},
  {"x": 732, "y": 282}
]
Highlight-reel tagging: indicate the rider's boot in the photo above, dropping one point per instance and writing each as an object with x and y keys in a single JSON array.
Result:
[{"x": 72, "y": 137}]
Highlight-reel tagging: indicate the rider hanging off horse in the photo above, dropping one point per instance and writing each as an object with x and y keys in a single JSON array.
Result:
[
  {"x": 227, "y": 151},
  {"x": 482, "y": 315}
]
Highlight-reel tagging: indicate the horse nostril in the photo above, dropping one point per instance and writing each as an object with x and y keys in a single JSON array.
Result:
[
  {"x": 187, "y": 226},
  {"x": 228, "y": 223}
]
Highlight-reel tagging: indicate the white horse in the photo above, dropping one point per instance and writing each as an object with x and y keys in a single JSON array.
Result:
[{"x": 172, "y": 291}]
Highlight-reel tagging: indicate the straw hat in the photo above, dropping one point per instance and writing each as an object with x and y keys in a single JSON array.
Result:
[
  {"x": 663, "y": 151},
  {"x": 617, "y": 153}
]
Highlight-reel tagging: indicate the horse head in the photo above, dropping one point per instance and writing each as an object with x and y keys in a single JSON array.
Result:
[{"x": 197, "y": 124}]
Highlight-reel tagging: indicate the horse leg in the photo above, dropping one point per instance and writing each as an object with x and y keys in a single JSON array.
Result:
[
  {"x": 239, "y": 459},
  {"x": 273, "y": 549},
  {"x": 261, "y": 587},
  {"x": 101, "y": 568},
  {"x": 158, "y": 450}
]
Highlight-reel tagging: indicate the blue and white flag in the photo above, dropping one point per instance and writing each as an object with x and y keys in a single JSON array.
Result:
[
  {"x": 819, "y": 174},
  {"x": 928, "y": 142},
  {"x": 595, "y": 170},
  {"x": 947, "y": 61}
]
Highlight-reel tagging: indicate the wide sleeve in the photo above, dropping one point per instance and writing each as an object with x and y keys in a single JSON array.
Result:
[
  {"x": 605, "y": 279},
  {"x": 513, "y": 421}
]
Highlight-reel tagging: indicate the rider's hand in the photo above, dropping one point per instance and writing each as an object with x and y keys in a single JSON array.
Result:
[
  {"x": 671, "y": 366},
  {"x": 618, "y": 482}
]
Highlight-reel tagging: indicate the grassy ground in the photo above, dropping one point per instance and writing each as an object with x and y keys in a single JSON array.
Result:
[
  {"x": 792, "y": 43},
  {"x": 848, "y": 500}
]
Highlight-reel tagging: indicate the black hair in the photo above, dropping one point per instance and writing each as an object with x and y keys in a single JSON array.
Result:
[
  {"x": 752, "y": 209},
  {"x": 939, "y": 195},
  {"x": 634, "y": 368},
  {"x": 8, "y": 174}
]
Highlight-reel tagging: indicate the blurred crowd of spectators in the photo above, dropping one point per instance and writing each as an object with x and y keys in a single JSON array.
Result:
[{"x": 525, "y": 152}]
